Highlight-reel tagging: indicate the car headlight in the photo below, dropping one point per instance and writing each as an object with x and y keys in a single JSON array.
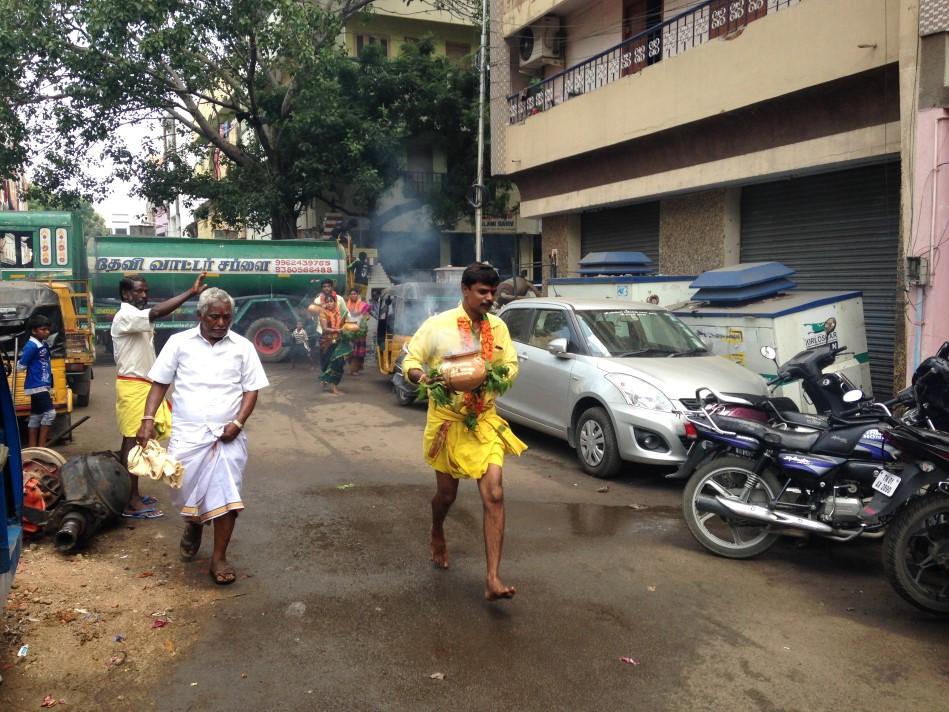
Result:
[{"x": 640, "y": 394}]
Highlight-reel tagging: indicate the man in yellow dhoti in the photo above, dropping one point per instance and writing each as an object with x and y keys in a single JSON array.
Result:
[
  {"x": 466, "y": 438},
  {"x": 134, "y": 350}
]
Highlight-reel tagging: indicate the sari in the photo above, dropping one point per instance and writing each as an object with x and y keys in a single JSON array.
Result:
[
  {"x": 359, "y": 310},
  {"x": 335, "y": 346}
]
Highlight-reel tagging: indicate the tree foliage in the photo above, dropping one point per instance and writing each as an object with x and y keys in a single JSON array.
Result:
[
  {"x": 92, "y": 222},
  {"x": 305, "y": 121}
]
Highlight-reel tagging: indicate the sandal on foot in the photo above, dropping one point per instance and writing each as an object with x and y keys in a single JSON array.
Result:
[
  {"x": 190, "y": 542},
  {"x": 224, "y": 575},
  {"x": 144, "y": 514}
]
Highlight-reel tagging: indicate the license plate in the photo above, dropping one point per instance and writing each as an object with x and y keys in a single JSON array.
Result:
[{"x": 886, "y": 483}]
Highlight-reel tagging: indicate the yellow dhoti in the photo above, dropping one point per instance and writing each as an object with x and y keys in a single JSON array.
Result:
[
  {"x": 452, "y": 448},
  {"x": 130, "y": 397}
]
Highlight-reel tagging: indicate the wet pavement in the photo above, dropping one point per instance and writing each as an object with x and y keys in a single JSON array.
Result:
[{"x": 342, "y": 611}]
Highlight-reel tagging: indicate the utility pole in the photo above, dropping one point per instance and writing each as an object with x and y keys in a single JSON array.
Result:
[{"x": 479, "y": 185}]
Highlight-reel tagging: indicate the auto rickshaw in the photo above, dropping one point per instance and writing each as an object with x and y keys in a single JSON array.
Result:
[
  {"x": 18, "y": 302},
  {"x": 402, "y": 309}
]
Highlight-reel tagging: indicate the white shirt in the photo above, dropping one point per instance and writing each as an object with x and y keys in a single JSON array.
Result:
[
  {"x": 210, "y": 379},
  {"x": 133, "y": 341}
]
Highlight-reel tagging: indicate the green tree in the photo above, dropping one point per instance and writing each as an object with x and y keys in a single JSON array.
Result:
[{"x": 306, "y": 121}]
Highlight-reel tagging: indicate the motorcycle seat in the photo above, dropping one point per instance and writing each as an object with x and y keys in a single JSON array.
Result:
[
  {"x": 787, "y": 439},
  {"x": 759, "y": 401},
  {"x": 804, "y": 420}
]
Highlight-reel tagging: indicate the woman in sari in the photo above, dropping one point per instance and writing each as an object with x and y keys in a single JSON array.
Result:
[
  {"x": 334, "y": 345},
  {"x": 358, "y": 311}
]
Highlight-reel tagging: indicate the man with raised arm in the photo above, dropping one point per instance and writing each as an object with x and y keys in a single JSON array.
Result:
[{"x": 133, "y": 345}]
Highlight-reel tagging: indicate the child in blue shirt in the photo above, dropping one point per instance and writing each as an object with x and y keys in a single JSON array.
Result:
[{"x": 36, "y": 362}]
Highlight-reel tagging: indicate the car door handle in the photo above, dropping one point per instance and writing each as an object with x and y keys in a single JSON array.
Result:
[{"x": 523, "y": 357}]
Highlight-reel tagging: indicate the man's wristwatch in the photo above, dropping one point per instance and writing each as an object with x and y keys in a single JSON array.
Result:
[{"x": 239, "y": 424}]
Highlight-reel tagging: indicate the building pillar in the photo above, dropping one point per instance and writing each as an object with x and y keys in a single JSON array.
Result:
[
  {"x": 699, "y": 231},
  {"x": 561, "y": 233},
  {"x": 444, "y": 250},
  {"x": 732, "y": 236}
]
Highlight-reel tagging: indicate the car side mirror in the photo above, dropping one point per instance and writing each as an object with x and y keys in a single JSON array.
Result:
[{"x": 558, "y": 347}]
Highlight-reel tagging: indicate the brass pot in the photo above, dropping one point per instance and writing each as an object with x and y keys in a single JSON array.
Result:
[
  {"x": 464, "y": 372},
  {"x": 350, "y": 326}
]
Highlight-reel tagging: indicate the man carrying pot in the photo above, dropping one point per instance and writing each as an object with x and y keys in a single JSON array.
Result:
[{"x": 464, "y": 436}]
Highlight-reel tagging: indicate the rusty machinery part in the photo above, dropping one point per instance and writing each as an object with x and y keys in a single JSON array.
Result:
[
  {"x": 514, "y": 288},
  {"x": 96, "y": 488},
  {"x": 41, "y": 461}
]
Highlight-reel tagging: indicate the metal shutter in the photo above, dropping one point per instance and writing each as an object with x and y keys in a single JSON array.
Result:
[
  {"x": 634, "y": 228},
  {"x": 839, "y": 231}
]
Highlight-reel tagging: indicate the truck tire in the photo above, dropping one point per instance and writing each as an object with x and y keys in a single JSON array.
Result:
[{"x": 270, "y": 337}]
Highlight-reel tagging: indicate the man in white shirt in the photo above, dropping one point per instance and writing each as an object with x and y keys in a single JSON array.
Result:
[
  {"x": 217, "y": 375},
  {"x": 134, "y": 348}
]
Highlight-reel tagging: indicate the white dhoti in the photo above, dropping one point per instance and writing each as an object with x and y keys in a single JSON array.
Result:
[{"x": 213, "y": 474}]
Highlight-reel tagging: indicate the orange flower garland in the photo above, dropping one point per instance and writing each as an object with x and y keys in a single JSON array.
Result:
[
  {"x": 487, "y": 337},
  {"x": 474, "y": 402}
]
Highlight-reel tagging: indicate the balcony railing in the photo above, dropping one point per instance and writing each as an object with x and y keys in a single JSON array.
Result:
[
  {"x": 422, "y": 183},
  {"x": 694, "y": 27}
]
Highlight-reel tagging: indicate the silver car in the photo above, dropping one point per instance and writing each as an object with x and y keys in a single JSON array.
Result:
[{"x": 612, "y": 378}]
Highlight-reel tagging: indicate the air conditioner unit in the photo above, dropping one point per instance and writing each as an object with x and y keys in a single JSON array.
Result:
[{"x": 542, "y": 43}]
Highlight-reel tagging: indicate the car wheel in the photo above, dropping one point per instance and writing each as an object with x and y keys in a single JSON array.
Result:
[{"x": 596, "y": 444}]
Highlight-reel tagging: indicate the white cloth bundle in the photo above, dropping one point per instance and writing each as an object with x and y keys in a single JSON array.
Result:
[{"x": 152, "y": 461}]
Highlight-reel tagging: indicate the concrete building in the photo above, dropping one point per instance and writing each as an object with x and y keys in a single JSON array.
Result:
[
  {"x": 400, "y": 228},
  {"x": 13, "y": 193},
  {"x": 709, "y": 133}
]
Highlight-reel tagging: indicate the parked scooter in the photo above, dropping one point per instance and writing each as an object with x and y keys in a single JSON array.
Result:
[
  {"x": 867, "y": 472},
  {"x": 826, "y": 391}
]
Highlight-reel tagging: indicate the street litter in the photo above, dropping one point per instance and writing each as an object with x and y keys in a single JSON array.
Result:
[
  {"x": 159, "y": 623},
  {"x": 348, "y": 485},
  {"x": 296, "y": 609},
  {"x": 170, "y": 647},
  {"x": 50, "y": 701},
  {"x": 118, "y": 658},
  {"x": 636, "y": 506},
  {"x": 194, "y": 684},
  {"x": 604, "y": 489},
  {"x": 146, "y": 574},
  {"x": 119, "y": 637},
  {"x": 437, "y": 676},
  {"x": 650, "y": 588},
  {"x": 23, "y": 651},
  {"x": 629, "y": 661}
]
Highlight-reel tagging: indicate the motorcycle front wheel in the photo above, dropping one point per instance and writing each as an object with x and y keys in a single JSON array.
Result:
[
  {"x": 916, "y": 553},
  {"x": 730, "y": 537}
]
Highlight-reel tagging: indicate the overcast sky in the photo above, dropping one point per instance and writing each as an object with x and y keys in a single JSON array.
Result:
[{"x": 120, "y": 200}]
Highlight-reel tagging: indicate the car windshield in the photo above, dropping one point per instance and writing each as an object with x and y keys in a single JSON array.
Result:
[{"x": 637, "y": 332}]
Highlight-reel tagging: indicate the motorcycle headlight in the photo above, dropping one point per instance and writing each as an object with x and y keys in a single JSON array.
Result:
[{"x": 640, "y": 394}]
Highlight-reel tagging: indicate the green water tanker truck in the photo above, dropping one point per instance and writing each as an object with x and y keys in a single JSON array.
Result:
[{"x": 271, "y": 280}]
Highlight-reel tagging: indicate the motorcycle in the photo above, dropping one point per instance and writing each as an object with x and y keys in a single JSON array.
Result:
[
  {"x": 826, "y": 391},
  {"x": 867, "y": 473}
]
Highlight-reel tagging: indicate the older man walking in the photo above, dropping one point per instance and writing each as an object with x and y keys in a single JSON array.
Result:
[
  {"x": 133, "y": 344},
  {"x": 217, "y": 375}
]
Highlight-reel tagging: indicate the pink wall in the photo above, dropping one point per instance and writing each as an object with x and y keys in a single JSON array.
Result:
[{"x": 930, "y": 237}]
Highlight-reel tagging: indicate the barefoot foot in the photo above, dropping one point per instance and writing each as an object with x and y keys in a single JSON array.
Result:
[
  {"x": 439, "y": 550},
  {"x": 495, "y": 590}
]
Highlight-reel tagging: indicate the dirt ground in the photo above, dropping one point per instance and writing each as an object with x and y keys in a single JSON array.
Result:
[{"x": 103, "y": 624}]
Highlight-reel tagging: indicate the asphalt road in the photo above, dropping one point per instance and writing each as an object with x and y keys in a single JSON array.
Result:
[{"x": 342, "y": 611}]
